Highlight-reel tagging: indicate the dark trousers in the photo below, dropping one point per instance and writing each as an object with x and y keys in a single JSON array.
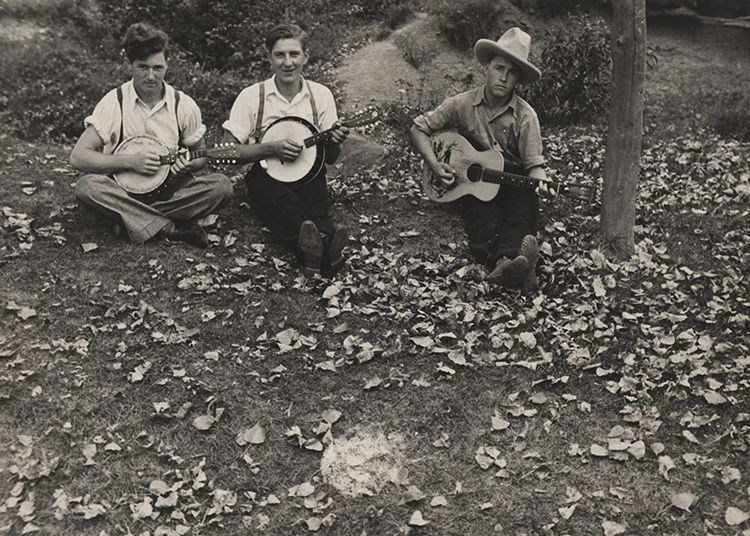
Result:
[
  {"x": 282, "y": 207},
  {"x": 496, "y": 228}
]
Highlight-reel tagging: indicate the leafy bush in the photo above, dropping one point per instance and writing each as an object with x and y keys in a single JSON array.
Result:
[
  {"x": 415, "y": 52},
  {"x": 729, "y": 113},
  {"x": 226, "y": 34},
  {"x": 551, "y": 8},
  {"x": 576, "y": 72},
  {"x": 396, "y": 14},
  {"x": 49, "y": 90},
  {"x": 214, "y": 91},
  {"x": 414, "y": 101},
  {"x": 465, "y": 22}
]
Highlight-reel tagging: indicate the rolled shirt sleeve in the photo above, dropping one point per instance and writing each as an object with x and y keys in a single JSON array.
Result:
[
  {"x": 327, "y": 114},
  {"x": 442, "y": 117},
  {"x": 242, "y": 116},
  {"x": 530, "y": 140},
  {"x": 105, "y": 119},
  {"x": 191, "y": 121}
]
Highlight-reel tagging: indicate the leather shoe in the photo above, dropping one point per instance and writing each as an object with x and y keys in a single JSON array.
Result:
[
  {"x": 193, "y": 235},
  {"x": 339, "y": 240},
  {"x": 509, "y": 273},
  {"x": 312, "y": 248}
]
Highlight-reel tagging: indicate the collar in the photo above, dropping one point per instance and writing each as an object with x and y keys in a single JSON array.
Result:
[
  {"x": 479, "y": 98},
  {"x": 272, "y": 89},
  {"x": 130, "y": 97}
]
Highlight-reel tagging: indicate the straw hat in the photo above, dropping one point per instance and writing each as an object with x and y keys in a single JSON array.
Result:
[{"x": 514, "y": 45}]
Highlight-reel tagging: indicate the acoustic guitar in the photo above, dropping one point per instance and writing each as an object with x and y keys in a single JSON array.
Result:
[
  {"x": 147, "y": 187},
  {"x": 312, "y": 157},
  {"x": 480, "y": 173}
]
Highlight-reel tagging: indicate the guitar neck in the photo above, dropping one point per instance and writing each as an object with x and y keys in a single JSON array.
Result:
[{"x": 495, "y": 176}]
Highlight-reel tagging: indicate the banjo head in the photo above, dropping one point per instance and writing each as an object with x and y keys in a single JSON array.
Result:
[
  {"x": 298, "y": 130},
  {"x": 133, "y": 182}
]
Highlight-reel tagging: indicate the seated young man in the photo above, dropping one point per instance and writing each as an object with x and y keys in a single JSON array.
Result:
[
  {"x": 147, "y": 105},
  {"x": 297, "y": 213},
  {"x": 501, "y": 231}
]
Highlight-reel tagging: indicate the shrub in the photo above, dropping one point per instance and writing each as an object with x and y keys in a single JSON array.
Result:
[
  {"x": 576, "y": 72},
  {"x": 214, "y": 91},
  {"x": 224, "y": 34},
  {"x": 397, "y": 14},
  {"x": 465, "y": 22},
  {"x": 414, "y": 51},
  {"x": 413, "y": 102},
  {"x": 49, "y": 90},
  {"x": 551, "y": 8},
  {"x": 729, "y": 113}
]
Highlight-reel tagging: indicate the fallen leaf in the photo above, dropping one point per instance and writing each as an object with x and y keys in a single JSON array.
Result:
[
  {"x": 735, "y": 516},
  {"x": 612, "y": 528},
  {"x": 416, "y": 519},
  {"x": 255, "y": 436},
  {"x": 665, "y": 465},
  {"x": 438, "y": 500},
  {"x": 203, "y": 422},
  {"x": 683, "y": 501},
  {"x": 567, "y": 512}
]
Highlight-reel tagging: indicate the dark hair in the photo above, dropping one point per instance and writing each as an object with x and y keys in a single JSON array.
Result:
[
  {"x": 142, "y": 40},
  {"x": 286, "y": 31}
]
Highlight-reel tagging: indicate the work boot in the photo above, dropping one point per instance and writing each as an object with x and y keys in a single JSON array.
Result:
[
  {"x": 530, "y": 250},
  {"x": 509, "y": 273},
  {"x": 192, "y": 234},
  {"x": 312, "y": 248},
  {"x": 339, "y": 240}
]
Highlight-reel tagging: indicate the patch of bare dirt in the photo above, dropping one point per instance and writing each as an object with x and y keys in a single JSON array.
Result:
[
  {"x": 362, "y": 464},
  {"x": 380, "y": 72}
]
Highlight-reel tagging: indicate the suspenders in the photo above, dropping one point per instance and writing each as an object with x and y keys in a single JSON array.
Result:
[
  {"x": 262, "y": 104},
  {"x": 176, "y": 115}
]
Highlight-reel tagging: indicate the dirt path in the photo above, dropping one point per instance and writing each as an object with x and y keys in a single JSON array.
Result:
[
  {"x": 379, "y": 72},
  {"x": 690, "y": 57}
]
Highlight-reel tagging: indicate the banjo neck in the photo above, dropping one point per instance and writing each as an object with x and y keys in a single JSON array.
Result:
[
  {"x": 356, "y": 120},
  {"x": 171, "y": 157}
]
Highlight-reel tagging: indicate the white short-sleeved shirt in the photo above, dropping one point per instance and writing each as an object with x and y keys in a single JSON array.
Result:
[
  {"x": 138, "y": 119},
  {"x": 243, "y": 116}
]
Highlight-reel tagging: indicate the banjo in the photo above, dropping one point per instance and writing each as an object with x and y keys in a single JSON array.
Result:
[
  {"x": 148, "y": 187},
  {"x": 480, "y": 173},
  {"x": 312, "y": 158}
]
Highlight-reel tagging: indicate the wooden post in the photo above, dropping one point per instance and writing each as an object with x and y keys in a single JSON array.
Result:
[{"x": 623, "y": 154}]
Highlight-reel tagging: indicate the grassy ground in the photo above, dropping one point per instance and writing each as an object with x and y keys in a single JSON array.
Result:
[
  {"x": 406, "y": 340},
  {"x": 134, "y": 379}
]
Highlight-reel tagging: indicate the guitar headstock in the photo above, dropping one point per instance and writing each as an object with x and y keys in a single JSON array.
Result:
[{"x": 224, "y": 153}]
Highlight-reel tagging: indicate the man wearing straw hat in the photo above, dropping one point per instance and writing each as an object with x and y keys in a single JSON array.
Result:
[{"x": 501, "y": 232}]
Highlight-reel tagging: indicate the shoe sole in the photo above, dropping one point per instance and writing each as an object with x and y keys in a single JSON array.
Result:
[
  {"x": 512, "y": 273},
  {"x": 339, "y": 241},
  {"x": 312, "y": 247}
]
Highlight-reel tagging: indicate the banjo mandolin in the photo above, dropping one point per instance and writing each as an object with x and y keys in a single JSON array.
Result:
[
  {"x": 480, "y": 173},
  {"x": 312, "y": 158},
  {"x": 146, "y": 187}
]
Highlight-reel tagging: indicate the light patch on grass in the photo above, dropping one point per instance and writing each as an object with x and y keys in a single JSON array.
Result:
[{"x": 363, "y": 464}]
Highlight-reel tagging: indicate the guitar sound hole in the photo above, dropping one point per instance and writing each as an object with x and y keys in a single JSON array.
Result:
[{"x": 474, "y": 173}]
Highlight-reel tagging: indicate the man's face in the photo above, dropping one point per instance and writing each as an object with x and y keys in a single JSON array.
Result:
[
  {"x": 287, "y": 60},
  {"x": 148, "y": 75},
  {"x": 502, "y": 77}
]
